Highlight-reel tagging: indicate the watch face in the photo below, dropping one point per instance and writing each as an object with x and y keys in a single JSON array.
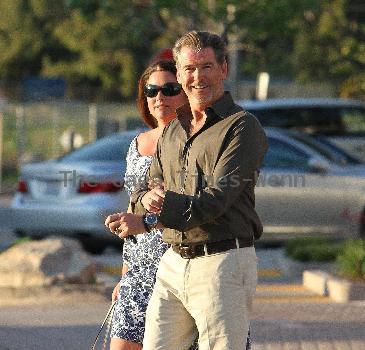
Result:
[{"x": 151, "y": 219}]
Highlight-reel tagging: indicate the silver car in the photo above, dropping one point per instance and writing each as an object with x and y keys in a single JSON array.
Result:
[
  {"x": 305, "y": 188},
  {"x": 341, "y": 120},
  {"x": 72, "y": 195},
  {"x": 308, "y": 188}
]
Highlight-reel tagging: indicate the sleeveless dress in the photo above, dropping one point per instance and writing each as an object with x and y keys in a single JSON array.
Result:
[{"x": 142, "y": 259}]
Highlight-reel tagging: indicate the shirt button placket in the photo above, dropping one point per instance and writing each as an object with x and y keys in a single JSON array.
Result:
[{"x": 185, "y": 166}]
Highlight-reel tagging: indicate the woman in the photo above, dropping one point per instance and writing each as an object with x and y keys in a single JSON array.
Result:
[{"x": 159, "y": 95}]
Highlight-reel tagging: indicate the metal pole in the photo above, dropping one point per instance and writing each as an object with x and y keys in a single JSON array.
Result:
[
  {"x": 55, "y": 131},
  {"x": 93, "y": 119},
  {"x": 262, "y": 85},
  {"x": 233, "y": 68},
  {"x": 20, "y": 134},
  {"x": 233, "y": 46},
  {"x": 1, "y": 149}
]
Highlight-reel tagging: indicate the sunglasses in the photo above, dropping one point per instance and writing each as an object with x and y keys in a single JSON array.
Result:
[{"x": 168, "y": 89}]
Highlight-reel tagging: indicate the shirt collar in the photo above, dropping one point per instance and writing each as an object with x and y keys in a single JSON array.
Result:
[{"x": 221, "y": 108}]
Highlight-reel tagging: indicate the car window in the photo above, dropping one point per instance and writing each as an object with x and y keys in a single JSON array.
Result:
[
  {"x": 326, "y": 149},
  {"x": 353, "y": 120},
  {"x": 350, "y": 159},
  {"x": 282, "y": 155},
  {"x": 333, "y": 121},
  {"x": 108, "y": 149}
]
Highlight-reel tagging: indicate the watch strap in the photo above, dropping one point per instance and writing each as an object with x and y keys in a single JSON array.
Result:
[{"x": 145, "y": 224}]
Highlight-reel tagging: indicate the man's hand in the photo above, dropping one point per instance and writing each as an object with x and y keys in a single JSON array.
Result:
[
  {"x": 125, "y": 224},
  {"x": 112, "y": 222},
  {"x": 152, "y": 201}
]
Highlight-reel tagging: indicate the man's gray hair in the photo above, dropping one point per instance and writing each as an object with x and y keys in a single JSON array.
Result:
[{"x": 201, "y": 40}]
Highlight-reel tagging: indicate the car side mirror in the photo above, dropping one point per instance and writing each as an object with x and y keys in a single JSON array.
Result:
[{"x": 318, "y": 165}]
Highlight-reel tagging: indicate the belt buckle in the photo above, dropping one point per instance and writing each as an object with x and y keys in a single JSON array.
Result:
[{"x": 187, "y": 252}]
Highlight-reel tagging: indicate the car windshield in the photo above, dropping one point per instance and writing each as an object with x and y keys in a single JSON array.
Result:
[
  {"x": 107, "y": 149},
  {"x": 341, "y": 121},
  {"x": 326, "y": 149}
]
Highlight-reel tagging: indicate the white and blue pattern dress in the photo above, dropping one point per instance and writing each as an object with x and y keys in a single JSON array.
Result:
[{"x": 142, "y": 259}]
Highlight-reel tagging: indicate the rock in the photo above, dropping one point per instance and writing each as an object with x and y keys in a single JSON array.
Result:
[
  {"x": 338, "y": 289},
  {"x": 316, "y": 281},
  {"x": 343, "y": 291},
  {"x": 44, "y": 263}
]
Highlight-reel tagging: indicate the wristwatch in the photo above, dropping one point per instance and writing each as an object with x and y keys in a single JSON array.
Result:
[{"x": 150, "y": 221}]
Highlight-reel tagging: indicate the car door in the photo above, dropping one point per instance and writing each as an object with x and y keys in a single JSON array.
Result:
[{"x": 292, "y": 199}]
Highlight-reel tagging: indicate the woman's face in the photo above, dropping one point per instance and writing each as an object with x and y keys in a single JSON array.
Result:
[{"x": 163, "y": 107}]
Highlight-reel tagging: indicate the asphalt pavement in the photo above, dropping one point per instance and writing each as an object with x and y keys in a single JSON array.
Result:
[
  {"x": 289, "y": 324},
  {"x": 285, "y": 315}
]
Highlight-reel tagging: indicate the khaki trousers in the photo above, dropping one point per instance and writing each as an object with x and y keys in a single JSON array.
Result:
[{"x": 210, "y": 295}]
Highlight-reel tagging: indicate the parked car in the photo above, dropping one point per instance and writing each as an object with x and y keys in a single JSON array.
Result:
[
  {"x": 305, "y": 188},
  {"x": 341, "y": 120},
  {"x": 72, "y": 195}
]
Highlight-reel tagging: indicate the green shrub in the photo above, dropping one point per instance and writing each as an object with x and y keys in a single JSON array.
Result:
[
  {"x": 312, "y": 249},
  {"x": 21, "y": 241},
  {"x": 351, "y": 260}
]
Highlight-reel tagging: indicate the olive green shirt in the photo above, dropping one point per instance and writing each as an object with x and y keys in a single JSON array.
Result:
[{"x": 209, "y": 177}]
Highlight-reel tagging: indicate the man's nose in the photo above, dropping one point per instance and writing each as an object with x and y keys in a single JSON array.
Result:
[{"x": 198, "y": 72}]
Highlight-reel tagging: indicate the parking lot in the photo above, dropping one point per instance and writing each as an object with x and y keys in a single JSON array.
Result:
[
  {"x": 285, "y": 314},
  {"x": 279, "y": 322}
]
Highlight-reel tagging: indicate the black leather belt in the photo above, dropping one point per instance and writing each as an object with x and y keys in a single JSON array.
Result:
[{"x": 194, "y": 251}]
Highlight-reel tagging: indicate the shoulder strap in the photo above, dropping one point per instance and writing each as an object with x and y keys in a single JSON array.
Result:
[{"x": 107, "y": 317}]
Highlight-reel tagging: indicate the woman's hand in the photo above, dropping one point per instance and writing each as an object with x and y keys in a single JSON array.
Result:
[
  {"x": 116, "y": 291},
  {"x": 152, "y": 201}
]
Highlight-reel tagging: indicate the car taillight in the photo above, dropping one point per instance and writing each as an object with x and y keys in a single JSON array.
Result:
[
  {"x": 22, "y": 186},
  {"x": 87, "y": 187}
]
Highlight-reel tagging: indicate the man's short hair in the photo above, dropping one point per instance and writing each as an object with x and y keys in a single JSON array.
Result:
[{"x": 201, "y": 40}]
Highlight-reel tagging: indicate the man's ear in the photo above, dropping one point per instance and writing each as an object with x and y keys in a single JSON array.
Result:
[{"x": 224, "y": 68}]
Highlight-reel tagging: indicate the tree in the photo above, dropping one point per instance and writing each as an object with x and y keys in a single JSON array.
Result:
[
  {"x": 112, "y": 41},
  {"x": 109, "y": 46},
  {"x": 107, "y": 43},
  {"x": 26, "y": 28},
  {"x": 331, "y": 46}
]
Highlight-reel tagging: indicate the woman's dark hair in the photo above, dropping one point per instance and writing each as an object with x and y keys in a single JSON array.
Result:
[{"x": 166, "y": 65}]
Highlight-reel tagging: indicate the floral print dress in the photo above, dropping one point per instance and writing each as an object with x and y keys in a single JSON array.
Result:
[{"x": 142, "y": 259}]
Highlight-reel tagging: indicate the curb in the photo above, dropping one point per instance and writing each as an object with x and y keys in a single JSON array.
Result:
[
  {"x": 286, "y": 293},
  {"x": 56, "y": 293},
  {"x": 338, "y": 289}
]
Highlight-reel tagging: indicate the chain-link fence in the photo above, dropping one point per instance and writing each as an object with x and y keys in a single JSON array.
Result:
[{"x": 38, "y": 131}]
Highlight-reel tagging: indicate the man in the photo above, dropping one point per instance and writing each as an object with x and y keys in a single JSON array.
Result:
[{"x": 208, "y": 160}]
